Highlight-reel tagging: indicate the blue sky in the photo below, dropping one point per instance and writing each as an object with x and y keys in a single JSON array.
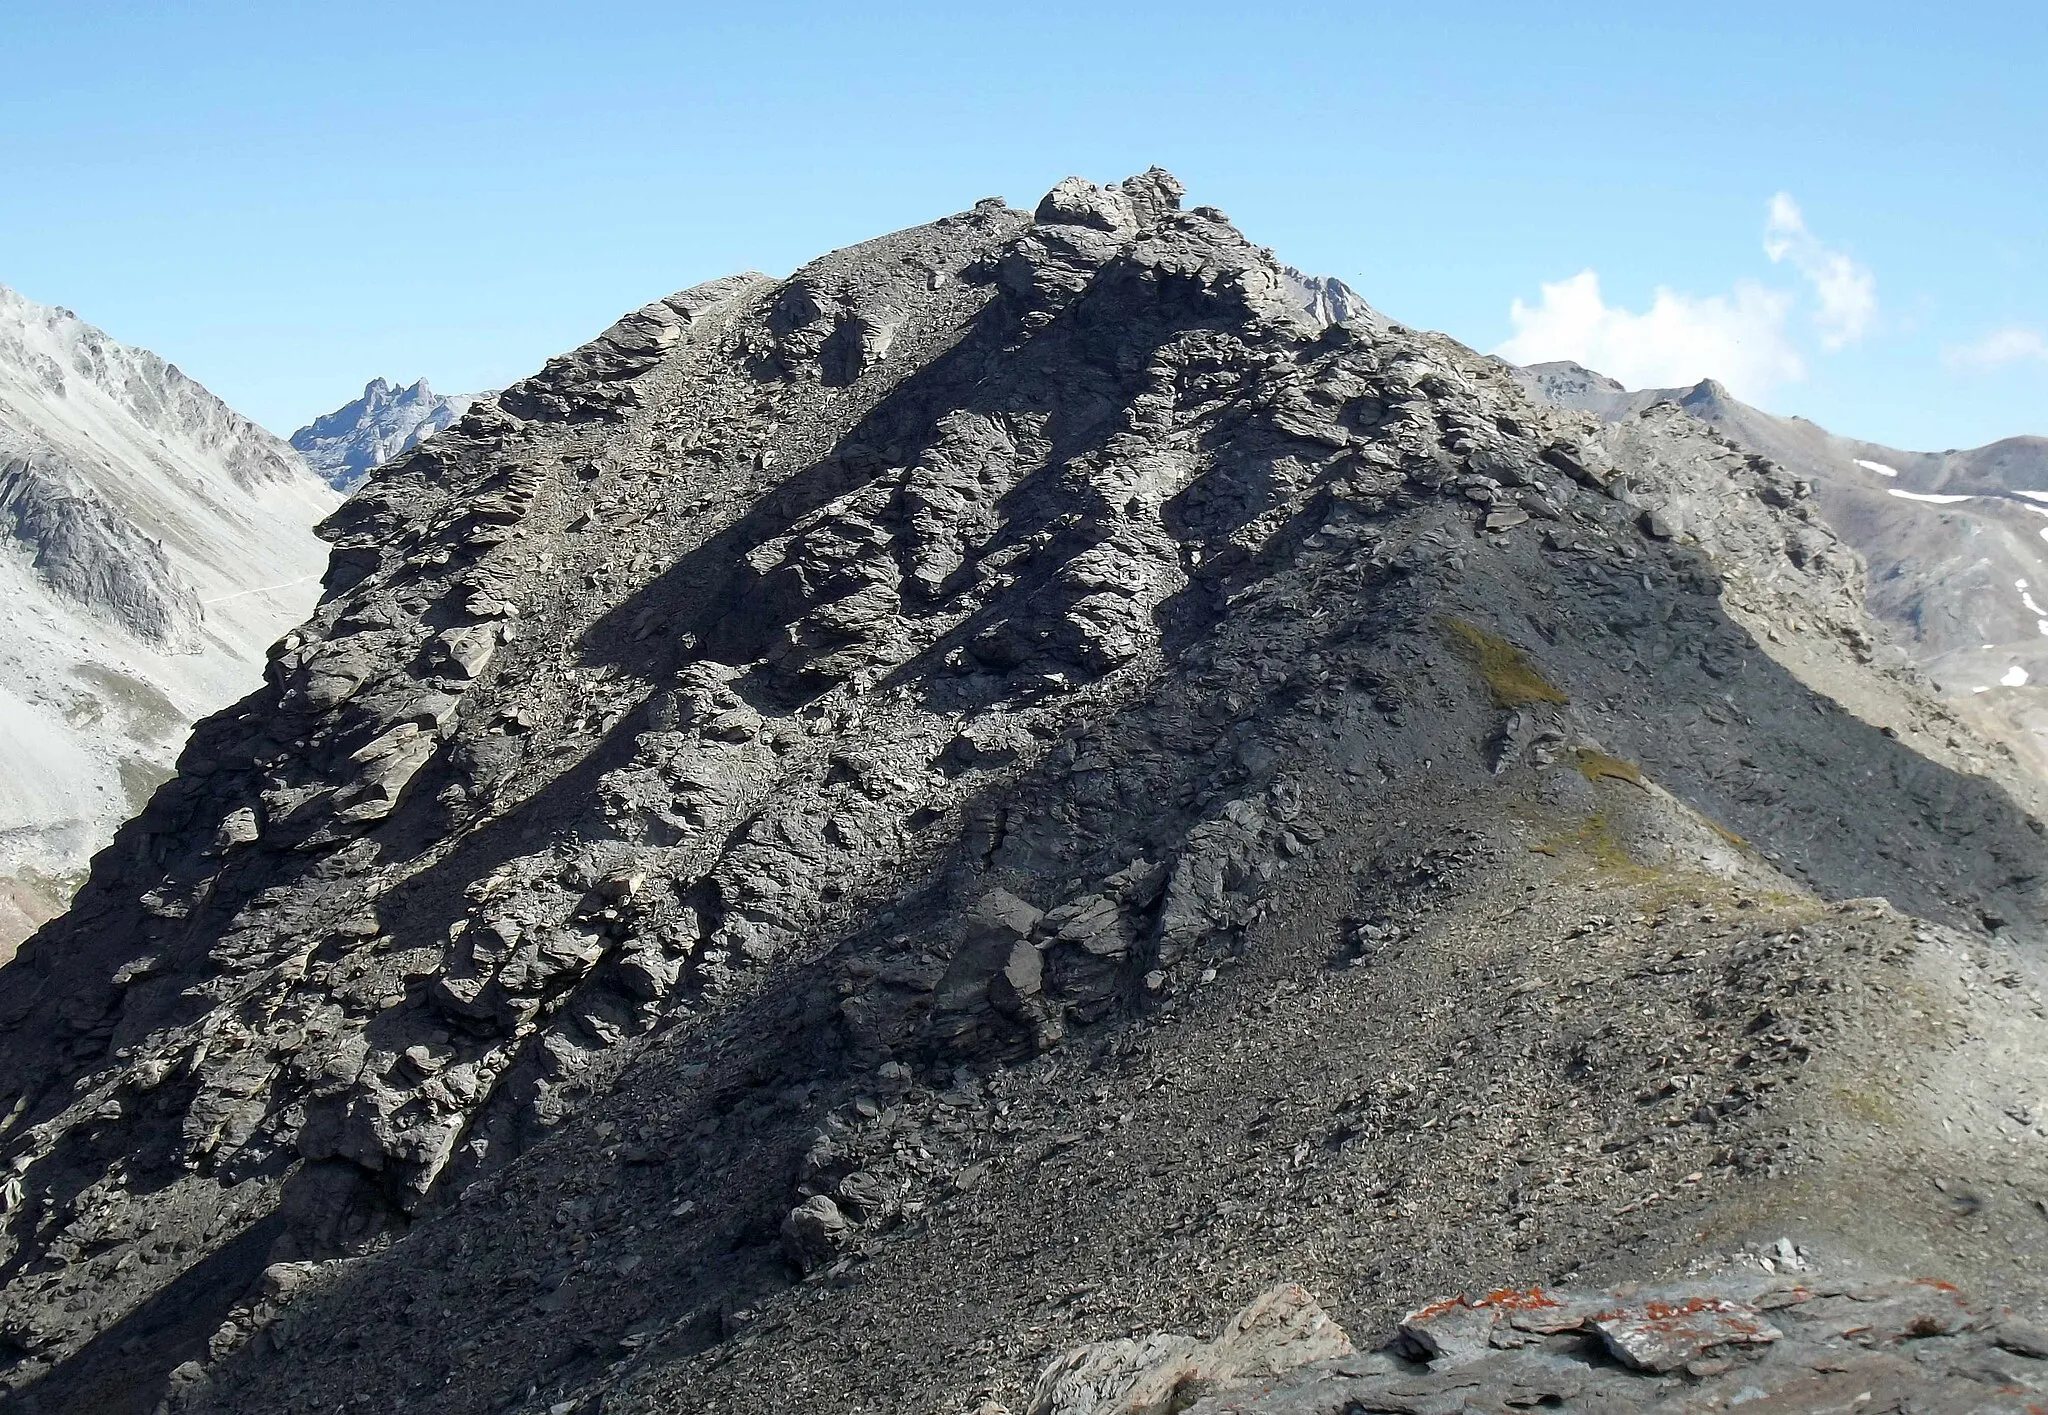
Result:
[{"x": 287, "y": 199}]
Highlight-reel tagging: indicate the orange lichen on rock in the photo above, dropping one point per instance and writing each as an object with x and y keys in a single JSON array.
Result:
[
  {"x": 1510, "y": 1299},
  {"x": 1441, "y": 1307}
]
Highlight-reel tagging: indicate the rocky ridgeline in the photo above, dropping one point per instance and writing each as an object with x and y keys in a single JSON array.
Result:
[
  {"x": 50, "y": 356},
  {"x": 737, "y": 782},
  {"x": 1736, "y": 1339},
  {"x": 1949, "y": 540}
]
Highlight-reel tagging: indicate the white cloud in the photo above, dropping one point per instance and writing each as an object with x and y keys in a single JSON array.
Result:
[
  {"x": 1739, "y": 339},
  {"x": 1998, "y": 349},
  {"x": 1847, "y": 291},
  {"x": 1743, "y": 338}
]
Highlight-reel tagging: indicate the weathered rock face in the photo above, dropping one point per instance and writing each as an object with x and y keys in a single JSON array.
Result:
[
  {"x": 1017, "y": 744},
  {"x": 90, "y": 556}
]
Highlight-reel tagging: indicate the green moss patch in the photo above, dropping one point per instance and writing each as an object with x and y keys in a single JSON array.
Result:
[
  {"x": 1593, "y": 765},
  {"x": 1510, "y": 676}
]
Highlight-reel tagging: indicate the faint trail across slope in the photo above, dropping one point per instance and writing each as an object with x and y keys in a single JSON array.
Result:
[{"x": 262, "y": 589}]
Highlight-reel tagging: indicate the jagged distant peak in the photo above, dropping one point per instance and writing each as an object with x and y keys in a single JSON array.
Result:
[
  {"x": 381, "y": 389},
  {"x": 389, "y": 419}
]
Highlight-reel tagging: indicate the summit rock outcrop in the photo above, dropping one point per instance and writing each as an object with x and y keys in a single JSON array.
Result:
[{"x": 1036, "y": 774}]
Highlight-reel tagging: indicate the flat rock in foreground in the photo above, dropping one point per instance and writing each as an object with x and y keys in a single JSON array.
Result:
[{"x": 1740, "y": 1339}]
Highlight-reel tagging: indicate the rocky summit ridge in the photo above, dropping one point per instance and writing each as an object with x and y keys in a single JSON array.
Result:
[{"x": 1026, "y": 782}]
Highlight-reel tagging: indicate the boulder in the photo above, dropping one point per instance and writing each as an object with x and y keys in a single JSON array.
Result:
[
  {"x": 1284, "y": 1328},
  {"x": 1079, "y": 202},
  {"x": 815, "y": 1233}
]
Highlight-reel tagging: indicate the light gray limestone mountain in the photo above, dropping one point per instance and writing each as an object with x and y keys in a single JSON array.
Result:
[
  {"x": 344, "y": 446},
  {"x": 1329, "y": 299},
  {"x": 1020, "y": 785},
  {"x": 153, "y": 543},
  {"x": 1956, "y": 542}
]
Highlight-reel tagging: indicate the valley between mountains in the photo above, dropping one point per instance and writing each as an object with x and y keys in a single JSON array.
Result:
[{"x": 884, "y": 840}]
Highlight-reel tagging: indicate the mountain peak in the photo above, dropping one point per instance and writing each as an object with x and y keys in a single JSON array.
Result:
[
  {"x": 344, "y": 446},
  {"x": 1707, "y": 393},
  {"x": 1001, "y": 753},
  {"x": 842, "y": 779}
]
